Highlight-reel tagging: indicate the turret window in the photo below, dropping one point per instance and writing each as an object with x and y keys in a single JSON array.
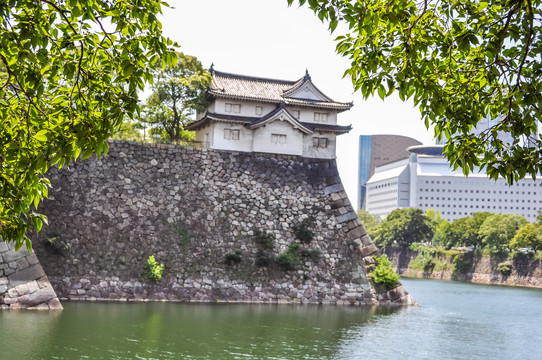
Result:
[
  {"x": 278, "y": 139},
  {"x": 320, "y": 142},
  {"x": 230, "y": 134},
  {"x": 233, "y": 108},
  {"x": 320, "y": 117}
]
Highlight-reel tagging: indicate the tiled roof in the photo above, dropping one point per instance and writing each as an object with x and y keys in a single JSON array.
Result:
[
  {"x": 337, "y": 129},
  {"x": 209, "y": 116},
  {"x": 234, "y": 86},
  {"x": 253, "y": 121}
]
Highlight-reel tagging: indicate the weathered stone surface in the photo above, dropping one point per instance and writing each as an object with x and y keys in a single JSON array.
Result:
[
  {"x": 25, "y": 284},
  {"x": 347, "y": 216},
  {"x": 191, "y": 207},
  {"x": 27, "y": 274}
]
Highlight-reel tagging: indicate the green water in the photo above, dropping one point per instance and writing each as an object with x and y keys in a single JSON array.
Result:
[{"x": 453, "y": 321}]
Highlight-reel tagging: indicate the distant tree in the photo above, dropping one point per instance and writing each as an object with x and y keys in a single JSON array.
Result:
[
  {"x": 439, "y": 225},
  {"x": 465, "y": 231},
  {"x": 499, "y": 229},
  {"x": 528, "y": 236},
  {"x": 369, "y": 221},
  {"x": 178, "y": 92},
  {"x": 404, "y": 227},
  {"x": 458, "y": 233},
  {"x": 460, "y": 61},
  {"x": 128, "y": 130}
]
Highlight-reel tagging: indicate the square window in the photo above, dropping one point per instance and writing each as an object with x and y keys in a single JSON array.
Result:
[
  {"x": 295, "y": 113},
  {"x": 320, "y": 117},
  {"x": 322, "y": 143},
  {"x": 278, "y": 138},
  {"x": 230, "y": 134},
  {"x": 259, "y": 110},
  {"x": 233, "y": 108}
]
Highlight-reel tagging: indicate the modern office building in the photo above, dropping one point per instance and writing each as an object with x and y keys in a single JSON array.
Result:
[
  {"x": 377, "y": 150},
  {"x": 425, "y": 180}
]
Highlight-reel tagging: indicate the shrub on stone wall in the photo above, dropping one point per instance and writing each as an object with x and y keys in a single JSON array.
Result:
[
  {"x": 462, "y": 263},
  {"x": 233, "y": 258},
  {"x": 154, "y": 270},
  {"x": 425, "y": 260},
  {"x": 287, "y": 261},
  {"x": 383, "y": 273},
  {"x": 263, "y": 239},
  {"x": 263, "y": 258},
  {"x": 505, "y": 268},
  {"x": 303, "y": 232},
  {"x": 56, "y": 243},
  {"x": 311, "y": 253}
]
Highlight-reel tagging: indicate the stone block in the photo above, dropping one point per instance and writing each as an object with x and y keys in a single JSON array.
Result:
[
  {"x": 369, "y": 250},
  {"x": 366, "y": 240},
  {"x": 3, "y": 246},
  {"x": 333, "y": 188},
  {"x": 32, "y": 259},
  {"x": 12, "y": 255},
  {"x": 32, "y": 286},
  {"x": 346, "y": 217},
  {"x": 357, "y": 232},
  {"x": 42, "y": 295},
  {"x": 21, "y": 289},
  {"x": 22, "y": 263},
  {"x": 30, "y": 273},
  {"x": 54, "y": 304}
]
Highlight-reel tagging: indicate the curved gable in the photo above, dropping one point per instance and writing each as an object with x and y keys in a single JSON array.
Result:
[{"x": 280, "y": 114}]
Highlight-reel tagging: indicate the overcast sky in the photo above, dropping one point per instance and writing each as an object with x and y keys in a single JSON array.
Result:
[{"x": 269, "y": 39}]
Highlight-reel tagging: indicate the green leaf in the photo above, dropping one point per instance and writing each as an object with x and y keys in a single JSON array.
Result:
[{"x": 41, "y": 135}]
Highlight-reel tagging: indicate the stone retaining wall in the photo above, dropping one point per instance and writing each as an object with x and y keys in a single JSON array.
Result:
[
  {"x": 191, "y": 207},
  {"x": 23, "y": 284},
  {"x": 525, "y": 272}
]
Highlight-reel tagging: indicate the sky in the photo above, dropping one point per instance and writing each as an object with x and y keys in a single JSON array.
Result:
[{"x": 267, "y": 38}]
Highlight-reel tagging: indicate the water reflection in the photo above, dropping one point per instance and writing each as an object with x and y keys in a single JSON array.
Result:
[
  {"x": 25, "y": 332},
  {"x": 454, "y": 321}
]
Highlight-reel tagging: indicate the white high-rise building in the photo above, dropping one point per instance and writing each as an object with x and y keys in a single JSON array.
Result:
[{"x": 425, "y": 180}]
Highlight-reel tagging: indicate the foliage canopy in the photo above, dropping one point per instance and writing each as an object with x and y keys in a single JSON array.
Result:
[
  {"x": 461, "y": 61},
  {"x": 73, "y": 70},
  {"x": 404, "y": 227},
  {"x": 178, "y": 92}
]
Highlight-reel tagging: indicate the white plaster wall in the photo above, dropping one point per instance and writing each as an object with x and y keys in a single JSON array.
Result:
[
  {"x": 243, "y": 144},
  {"x": 205, "y": 136},
  {"x": 321, "y": 153},
  {"x": 306, "y": 92},
  {"x": 307, "y": 115},
  {"x": 262, "y": 139},
  {"x": 247, "y": 108}
]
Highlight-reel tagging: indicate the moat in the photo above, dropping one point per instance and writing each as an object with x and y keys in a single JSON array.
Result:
[{"x": 454, "y": 321}]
